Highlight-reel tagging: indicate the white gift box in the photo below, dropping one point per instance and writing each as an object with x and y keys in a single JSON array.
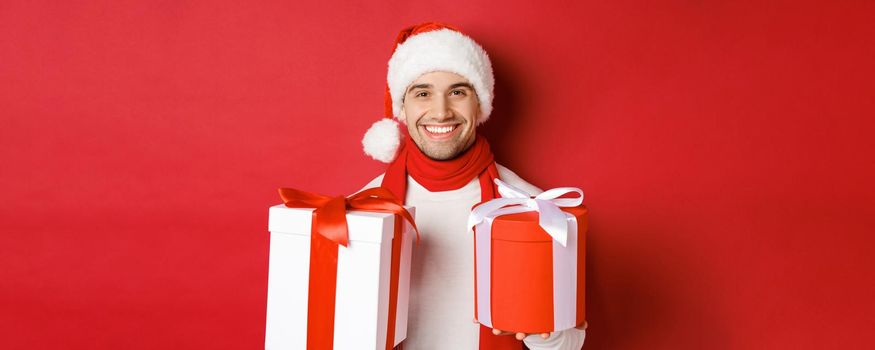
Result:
[{"x": 363, "y": 273}]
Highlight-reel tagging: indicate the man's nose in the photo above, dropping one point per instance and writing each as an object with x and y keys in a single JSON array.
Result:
[{"x": 441, "y": 109}]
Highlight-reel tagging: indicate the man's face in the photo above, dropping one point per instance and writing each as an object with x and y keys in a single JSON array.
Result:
[{"x": 441, "y": 111}]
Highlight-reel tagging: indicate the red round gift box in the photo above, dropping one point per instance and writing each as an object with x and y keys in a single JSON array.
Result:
[{"x": 522, "y": 272}]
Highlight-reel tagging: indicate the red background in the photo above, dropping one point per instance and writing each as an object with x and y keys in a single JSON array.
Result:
[{"x": 725, "y": 149}]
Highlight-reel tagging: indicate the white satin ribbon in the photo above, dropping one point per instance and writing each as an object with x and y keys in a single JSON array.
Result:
[
  {"x": 561, "y": 226},
  {"x": 514, "y": 200}
]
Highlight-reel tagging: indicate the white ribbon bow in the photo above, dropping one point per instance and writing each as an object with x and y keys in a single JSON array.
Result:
[{"x": 514, "y": 200}]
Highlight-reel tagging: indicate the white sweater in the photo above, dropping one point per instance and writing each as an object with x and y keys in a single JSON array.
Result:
[{"x": 442, "y": 276}]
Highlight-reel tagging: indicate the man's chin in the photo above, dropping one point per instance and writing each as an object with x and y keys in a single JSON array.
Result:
[{"x": 440, "y": 153}]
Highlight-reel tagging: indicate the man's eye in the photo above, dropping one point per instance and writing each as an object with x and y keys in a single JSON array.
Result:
[
  {"x": 458, "y": 93},
  {"x": 422, "y": 94}
]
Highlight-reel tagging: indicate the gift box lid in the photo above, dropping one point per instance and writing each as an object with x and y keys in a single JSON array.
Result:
[
  {"x": 523, "y": 227},
  {"x": 364, "y": 226}
]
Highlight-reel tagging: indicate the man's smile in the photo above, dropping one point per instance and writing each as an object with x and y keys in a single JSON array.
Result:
[{"x": 440, "y": 132}]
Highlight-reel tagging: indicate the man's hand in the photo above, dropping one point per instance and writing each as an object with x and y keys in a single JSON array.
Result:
[{"x": 521, "y": 336}]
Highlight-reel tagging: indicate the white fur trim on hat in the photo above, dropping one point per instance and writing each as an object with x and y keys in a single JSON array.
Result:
[
  {"x": 441, "y": 50},
  {"x": 382, "y": 140}
]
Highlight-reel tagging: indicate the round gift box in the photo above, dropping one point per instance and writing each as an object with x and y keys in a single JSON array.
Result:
[{"x": 522, "y": 273}]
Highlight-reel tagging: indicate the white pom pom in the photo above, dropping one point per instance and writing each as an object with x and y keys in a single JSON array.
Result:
[{"x": 382, "y": 140}]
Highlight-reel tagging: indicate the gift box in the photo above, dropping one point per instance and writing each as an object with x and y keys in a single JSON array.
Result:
[
  {"x": 323, "y": 294},
  {"x": 530, "y": 260}
]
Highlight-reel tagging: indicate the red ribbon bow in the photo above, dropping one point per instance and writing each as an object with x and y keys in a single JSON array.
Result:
[{"x": 329, "y": 218}]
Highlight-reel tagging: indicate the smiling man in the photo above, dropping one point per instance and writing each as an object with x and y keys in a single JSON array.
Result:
[{"x": 440, "y": 87}]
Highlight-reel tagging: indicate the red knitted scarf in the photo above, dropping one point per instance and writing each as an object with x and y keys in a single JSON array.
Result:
[{"x": 443, "y": 175}]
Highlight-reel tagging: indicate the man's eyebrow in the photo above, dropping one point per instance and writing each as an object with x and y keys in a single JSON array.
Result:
[
  {"x": 419, "y": 86},
  {"x": 429, "y": 86}
]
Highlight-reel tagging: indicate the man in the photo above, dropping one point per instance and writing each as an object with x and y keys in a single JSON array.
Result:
[{"x": 440, "y": 86}]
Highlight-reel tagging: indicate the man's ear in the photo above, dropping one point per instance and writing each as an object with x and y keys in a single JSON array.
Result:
[
  {"x": 479, "y": 111},
  {"x": 403, "y": 115}
]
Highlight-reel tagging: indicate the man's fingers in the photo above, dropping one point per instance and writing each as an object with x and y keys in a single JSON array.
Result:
[
  {"x": 518, "y": 335},
  {"x": 500, "y": 332},
  {"x": 582, "y": 326},
  {"x": 475, "y": 320}
]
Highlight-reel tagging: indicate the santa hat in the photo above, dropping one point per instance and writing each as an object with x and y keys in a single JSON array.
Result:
[{"x": 420, "y": 49}]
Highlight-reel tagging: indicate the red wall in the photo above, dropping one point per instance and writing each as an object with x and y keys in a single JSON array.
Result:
[{"x": 726, "y": 151}]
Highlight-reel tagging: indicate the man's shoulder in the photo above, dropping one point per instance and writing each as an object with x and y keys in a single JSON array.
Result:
[
  {"x": 504, "y": 173},
  {"x": 376, "y": 182},
  {"x": 515, "y": 180}
]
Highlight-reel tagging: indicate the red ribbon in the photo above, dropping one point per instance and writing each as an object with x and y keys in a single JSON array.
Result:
[{"x": 329, "y": 230}]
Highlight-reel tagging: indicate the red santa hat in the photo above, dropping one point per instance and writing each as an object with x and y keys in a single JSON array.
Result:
[{"x": 419, "y": 49}]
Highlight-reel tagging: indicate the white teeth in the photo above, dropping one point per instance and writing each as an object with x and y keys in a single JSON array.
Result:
[{"x": 439, "y": 129}]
